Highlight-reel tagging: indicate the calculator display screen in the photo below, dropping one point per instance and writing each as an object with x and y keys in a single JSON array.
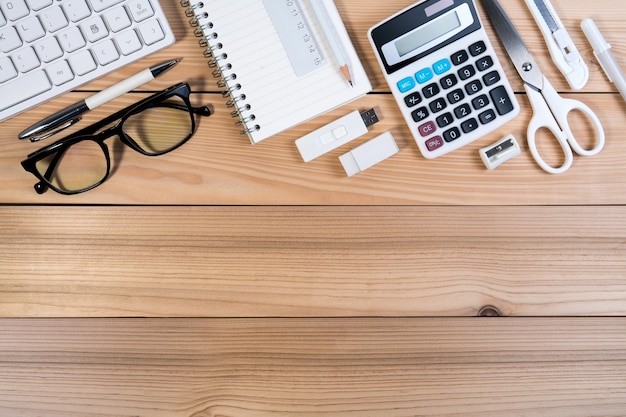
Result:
[{"x": 428, "y": 33}]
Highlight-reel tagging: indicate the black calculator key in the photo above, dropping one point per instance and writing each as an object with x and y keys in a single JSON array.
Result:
[
  {"x": 483, "y": 64},
  {"x": 452, "y": 134},
  {"x": 445, "y": 120},
  {"x": 491, "y": 78},
  {"x": 438, "y": 105},
  {"x": 413, "y": 99},
  {"x": 420, "y": 114},
  {"x": 462, "y": 111},
  {"x": 487, "y": 116},
  {"x": 469, "y": 125},
  {"x": 456, "y": 96},
  {"x": 431, "y": 90},
  {"x": 480, "y": 102},
  {"x": 449, "y": 81},
  {"x": 501, "y": 100},
  {"x": 459, "y": 58},
  {"x": 467, "y": 72},
  {"x": 473, "y": 87},
  {"x": 477, "y": 48}
]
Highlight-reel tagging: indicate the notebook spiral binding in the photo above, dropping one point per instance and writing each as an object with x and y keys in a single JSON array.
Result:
[{"x": 222, "y": 69}]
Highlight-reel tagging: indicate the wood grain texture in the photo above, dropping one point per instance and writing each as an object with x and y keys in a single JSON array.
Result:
[
  {"x": 311, "y": 261},
  {"x": 395, "y": 367}
]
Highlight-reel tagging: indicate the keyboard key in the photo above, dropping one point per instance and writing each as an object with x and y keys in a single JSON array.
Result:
[
  {"x": 60, "y": 72},
  {"x": 477, "y": 48},
  {"x": 100, "y": 5},
  {"x": 117, "y": 19},
  {"x": 491, "y": 78},
  {"x": 72, "y": 39},
  {"x": 14, "y": 9},
  {"x": 14, "y": 92},
  {"x": 76, "y": 10},
  {"x": 128, "y": 42},
  {"x": 487, "y": 116},
  {"x": 38, "y": 4},
  {"x": 82, "y": 62},
  {"x": 94, "y": 29},
  {"x": 9, "y": 39},
  {"x": 469, "y": 125},
  {"x": 53, "y": 19},
  {"x": 151, "y": 32},
  {"x": 480, "y": 102},
  {"x": 106, "y": 52},
  {"x": 48, "y": 49},
  {"x": 140, "y": 10},
  {"x": 26, "y": 59},
  {"x": 30, "y": 29},
  {"x": 7, "y": 69}
]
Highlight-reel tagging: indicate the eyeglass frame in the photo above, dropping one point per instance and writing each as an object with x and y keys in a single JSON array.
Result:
[{"x": 181, "y": 90}]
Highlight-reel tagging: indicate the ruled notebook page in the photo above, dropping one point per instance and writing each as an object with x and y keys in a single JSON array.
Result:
[{"x": 278, "y": 97}]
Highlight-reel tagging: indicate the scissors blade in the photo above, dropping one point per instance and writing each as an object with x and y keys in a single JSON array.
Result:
[{"x": 515, "y": 47}]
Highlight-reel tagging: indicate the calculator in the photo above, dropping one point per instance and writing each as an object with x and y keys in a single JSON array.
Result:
[{"x": 444, "y": 74}]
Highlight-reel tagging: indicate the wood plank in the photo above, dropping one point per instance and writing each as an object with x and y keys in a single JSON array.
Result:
[
  {"x": 311, "y": 261},
  {"x": 394, "y": 367}
]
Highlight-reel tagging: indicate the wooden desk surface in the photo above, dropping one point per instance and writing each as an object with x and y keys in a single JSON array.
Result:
[{"x": 226, "y": 279}]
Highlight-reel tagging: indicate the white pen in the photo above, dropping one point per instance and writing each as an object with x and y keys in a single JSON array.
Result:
[
  {"x": 68, "y": 116},
  {"x": 602, "y": 51},
  {"x": 333, "y": 39}
]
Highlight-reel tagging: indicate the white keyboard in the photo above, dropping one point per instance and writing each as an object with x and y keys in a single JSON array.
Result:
[{"x": 48, "y": 47}]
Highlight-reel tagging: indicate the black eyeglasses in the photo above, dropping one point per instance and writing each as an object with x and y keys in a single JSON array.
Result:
[{"x": 153, "y": 126}]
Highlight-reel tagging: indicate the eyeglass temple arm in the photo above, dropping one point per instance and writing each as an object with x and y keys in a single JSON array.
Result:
[{"x": 41, "y": 187}]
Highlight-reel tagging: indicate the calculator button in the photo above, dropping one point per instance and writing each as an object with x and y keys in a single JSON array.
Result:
[
  {"x": 473, "y": 87},
  {"x": 491, "y": 78},
  {"x": 424, "y": 75},
  {"x": 484, "y": 64},
  {"x": 462, "y": 111},
  {"x": 467, "y": 72},
  {"x": 420, "y": 114},
  {"x": 427, "y": 129},
  {"x": 434, "y": 143},
  {"x": 413, "y": 99},
  {"x": 452, "y": 134},
  {"x": 501, "y": 100},
  {"x": 487, "y": 116},
  {"x": 456, "y": 96},
  {"x": 469, "y": 126},
  {"x": 480, "y": 102},
  {"x": 477, "y": 48},
  {"x": 445, "y": 120},
  {"x": 441, "y": 67},
  {"x": 438, "y": 105},
  {"x": 431, "y": 90},
  {"x": 406, "y": 84},
  {"x": 449, "y": 81},
  {"x": 459, "y": 58}
]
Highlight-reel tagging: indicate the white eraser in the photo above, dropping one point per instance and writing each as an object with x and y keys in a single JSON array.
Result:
[
  {"x": 369, "y": 154},
  {"x": 495, "y": 155},
  {"x": 331, "y": 136}
]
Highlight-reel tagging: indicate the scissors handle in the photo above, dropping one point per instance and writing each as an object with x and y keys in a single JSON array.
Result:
[{"x": 551, "y": 112}]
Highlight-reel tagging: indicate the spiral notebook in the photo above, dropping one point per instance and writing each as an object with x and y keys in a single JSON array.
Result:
[{"x": 278, "y": 60}]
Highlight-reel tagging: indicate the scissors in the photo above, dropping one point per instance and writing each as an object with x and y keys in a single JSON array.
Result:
[{"x": 550, "y": 110}]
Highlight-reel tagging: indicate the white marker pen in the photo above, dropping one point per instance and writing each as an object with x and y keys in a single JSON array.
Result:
[{"x": 602, "y": 51}]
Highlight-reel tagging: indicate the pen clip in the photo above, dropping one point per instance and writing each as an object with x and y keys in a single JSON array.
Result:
[{"x": 45, "y": 135}]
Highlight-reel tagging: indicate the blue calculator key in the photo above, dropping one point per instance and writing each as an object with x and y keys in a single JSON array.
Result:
[
  {"x": 406, "y": 84},
  {"x": 424, "y": 75},
  {"x": 442, "y": 66}
]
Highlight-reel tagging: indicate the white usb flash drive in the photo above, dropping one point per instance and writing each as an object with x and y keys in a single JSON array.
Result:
[
  {"x": 335, "y": 134},
  {"x": 369, "y": 154}
]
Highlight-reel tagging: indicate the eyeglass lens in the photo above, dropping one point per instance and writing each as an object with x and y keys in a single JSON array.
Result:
[{"x": 156, "y": 130}]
